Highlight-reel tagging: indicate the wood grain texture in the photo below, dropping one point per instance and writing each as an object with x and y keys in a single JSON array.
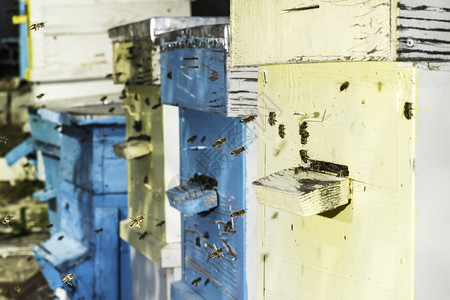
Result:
[
  {"x": 75, "y": 42},
  {"x": 366, "y": 250},
  {"x": 270, "y": 32}
]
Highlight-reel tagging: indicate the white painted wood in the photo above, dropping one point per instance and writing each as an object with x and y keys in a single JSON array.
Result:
[
  {"x": 432, "y": 262},
  {"x": 171, "y": 170},
  {"x": 74, "y": 43},
  {"x": 367, "y": 250},
  {"x": 242, "y": 90},
  {"x": 11, "y": 173}
]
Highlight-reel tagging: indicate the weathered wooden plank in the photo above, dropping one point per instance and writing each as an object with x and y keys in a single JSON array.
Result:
[{"x": 366, "y": 250}]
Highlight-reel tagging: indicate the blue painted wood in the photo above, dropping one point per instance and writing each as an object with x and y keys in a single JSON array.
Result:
[
  {"x": 45, "y": 195},
  {"x": 195, "y": 78},
  {"x": 103, "y": 257},
  {"x": 192, "y": 199},
  {"x": 179, "y": 290},
  {"x": 200, "y": 232},
  {"x": 106, "y": 253},
  {"x": 88, "y": 160},
  {"x": 43, "y": 130},
  {"x": 52, "y": 182},
  {"x": 23, "y": 149}
]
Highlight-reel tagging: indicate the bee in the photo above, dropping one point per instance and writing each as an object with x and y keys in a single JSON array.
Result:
[
  {"x": 206, "y": 235},
  {"x": 37, "y": 26},
  {"x": 98, "y": 230},
  {"x": 248, "y": 119},
  {"x": 49, "y": 226},
  {"x": 7, "y": 220},
  {"x": 3, "y": 139},
  {"x": 304, "y": 138},
  {"x": 281, "y": 132},
  {"x": 302, "y": 128},
  {"x": 340, "y": 173},
  {"x": 39, "y": 97},
  {"x": 57, "y": 127},
  {"x": 60, "y": 237},
  {"x": 217, "y": 253},
  {"x": 118, "y": 74},
  {"x": 299, "y": 169},
  {"x": 275, "y": 215},
  {"x": 123, "y": 95},
  {"x": 237, "y": 151},
  {"x": 197, "y": 242},
  {"x": 344, "y": 86},
  {"x": 33, "y": 27},
  {"x": 68, "y": 279},
  {"x": 157, "y": 104},
  {"x": 160, "y": 223},
  {"x": 109, "y": 76},
  {"x": 137, "y": 220},
  {"x": 82, "y": 140},
  {"x": 219, "y": 143},
  {"x": 142, "y": 236},
  {"x": 147, "y": 101},
  {"x": 111, "y": 109},
  {"x": 228, "y": 226},
  {"x": 196, "y": 281},
  {"x": 238, "y": 213},
  {"x": 272, "y": 116},
  {"x": 103, "y": 99},
  {"x": 26, "y": 165},
  {"x": 304, "y": 155},
  {"x": 203, "y": 139},
  {"x": 407, "y": 110},
  {"x": 18, "y": 289},
  {"x": 192, "y": 139}
]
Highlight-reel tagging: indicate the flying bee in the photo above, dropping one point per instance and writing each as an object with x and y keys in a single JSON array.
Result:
[
  {"x": 142, "y": 235},
  {"x": 219, "y": 143},
  {"x": 111, "y": 109},
  {"x": 7, "y": 220},
  {"x": 281, "y": 132},
  {"x": 192, "y": 139},
  {"x": 109, "y": 76},
  {"x": 49, "y": 226},
  {"x": 238, "y": 213},
  {"x": 103, "y": 99},
  {"x": 248, "y": 119},
  {"x": 40, "y": 25},
  {"x": 98, "y": 230},
  {"x": 39, "y": 97},
  {"x": 57, "y": 127},
  {"x": 272, "y": 116},
  {"x": 304, "y": 155},
  {"x": 407, "y": 110},
  {"x": 137, "y": 220},
  {"x": 196, "y": 281},
  {"x": 60, "y": 237},
  {"x": 237, "y": 151},
  {"x": 160, "y": 223},
  {"x": 33, "y": 27},
  {"x": 123, "y": 95},
  {"x": 3, "y": 139},
  {"x": 344, "y": 86},
  {"x": 68, "y": 279},
  {"x": 18, "y": 289},
  {"x": 217, "y": 253}
]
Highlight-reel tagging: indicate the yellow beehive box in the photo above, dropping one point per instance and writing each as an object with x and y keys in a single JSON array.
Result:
[
  {"x": 360, "y": 117},
  {"x": 271, "y": 32}
]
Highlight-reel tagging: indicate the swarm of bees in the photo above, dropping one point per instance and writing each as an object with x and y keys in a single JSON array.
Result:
[
  {"x": 281, "y": 129},
  {"x": 248, "y": 119},
  {"x": 237, "y": 151},
  {"x": 137, "y": 221},
  {"x": 238, "y": 213},
  {"x": 3, "y": 139},
  {"x": 7, "y": 220},
  {"x": 196, "y": 281},
  {"x": 68, "y": 279},
  {"x": 219, "y": 143},
  {"x": 37, "y": 26},
  {"x": 217, "y": 253},
  {"x": 272, "y": 118},
  {"x": 407, "y": 110}
]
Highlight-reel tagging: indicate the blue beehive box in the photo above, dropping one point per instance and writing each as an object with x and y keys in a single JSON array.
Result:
[
  {"x": 90, "y": 193},
  {"x": 217, "y": 162}
]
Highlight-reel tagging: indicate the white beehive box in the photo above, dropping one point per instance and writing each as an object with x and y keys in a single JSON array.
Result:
[{"x": 74, "y": 44}]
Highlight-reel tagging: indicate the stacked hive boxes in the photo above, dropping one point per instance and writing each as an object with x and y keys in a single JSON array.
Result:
[
  {"x": 86, "y": 187},
  {"x": 151, "y": 149},
  {"x": 217, "y": 162},
  {"x": 374, "y": 126}
]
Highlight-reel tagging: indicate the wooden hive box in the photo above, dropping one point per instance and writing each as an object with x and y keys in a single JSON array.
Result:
[
  {"x": 273, "y": 32},
  {"x": 376, "y": 121},
  {"x": 214, "y": 183},
  {"x": 74, "y": 43}
]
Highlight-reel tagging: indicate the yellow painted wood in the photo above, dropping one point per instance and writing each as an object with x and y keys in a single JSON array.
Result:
[
  {"x": 365, "y": 251},
  {"x": 269, "y": 32},
  {"x": 18, "y": 19},
  {"x": 147, "y": 179}
]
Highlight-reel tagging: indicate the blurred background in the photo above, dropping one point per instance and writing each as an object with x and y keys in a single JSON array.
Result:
[{"x": 20, "y": 83}]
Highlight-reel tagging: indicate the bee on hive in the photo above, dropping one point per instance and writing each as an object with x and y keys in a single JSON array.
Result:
[
  {"x": 248, "y": 119},
  {"x": 68, "y": 279},
  {"x": 219, "y": 143},
  {"x": 272, "y": 118},
  {"x": 237, "y": 151}
]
